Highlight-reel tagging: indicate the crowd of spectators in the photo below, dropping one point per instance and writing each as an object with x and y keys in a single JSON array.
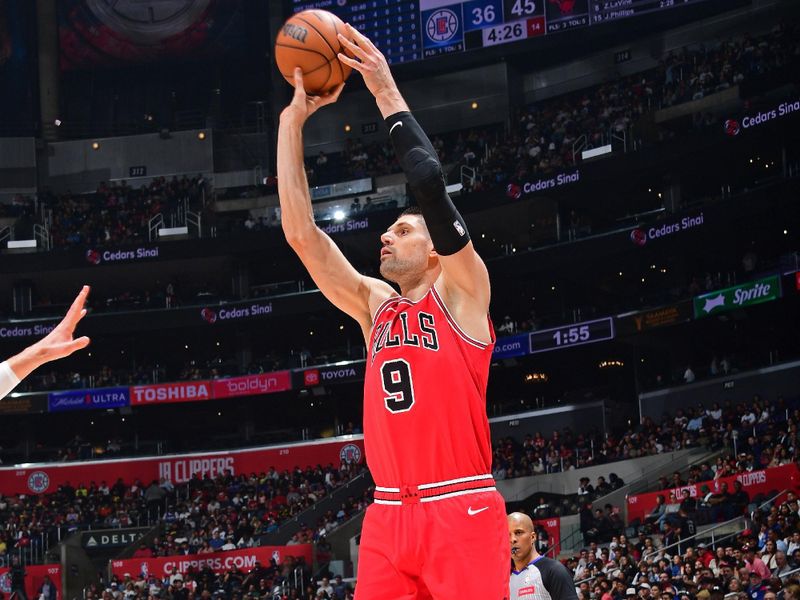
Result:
[
  {"x": 118, "y": 213},
  {"x": 544, "y": 133},
  {"x": 759, "y": 433},
  {"x": 539, "y": 142},
  {"x": 201, "y": 516},
  {"x": 756, "y": 564},
  {"x": 262, "y": 582}
]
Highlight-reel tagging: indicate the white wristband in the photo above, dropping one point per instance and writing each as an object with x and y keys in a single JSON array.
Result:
[{"x": 8, "y": 379}]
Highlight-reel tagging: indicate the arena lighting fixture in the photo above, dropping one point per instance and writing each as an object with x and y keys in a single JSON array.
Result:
[
  {"x": 606, "y": 364},
  {"x": 201, "y": 136},
  {"x": 57, "y": 122},
  {"x": 536, "y": 377},
  {"x": 95, "y": 145},
  {"x": 347, "y": 128},
  {"x": 785, "y": 232},
  {"x": 339, "y": 215},
  {"x": 474, "y": 105}
]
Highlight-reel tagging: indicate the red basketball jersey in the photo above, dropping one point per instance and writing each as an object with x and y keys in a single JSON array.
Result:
[{"x": 425, "y": 395}]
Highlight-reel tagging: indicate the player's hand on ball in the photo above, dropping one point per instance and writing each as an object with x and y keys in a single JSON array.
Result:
[
  {"x": 304, "y": 105},
  {"x": 369, "y": 61}
]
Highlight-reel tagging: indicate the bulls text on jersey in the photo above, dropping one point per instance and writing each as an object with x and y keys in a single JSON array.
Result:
[{"x": 419, "y": 332}]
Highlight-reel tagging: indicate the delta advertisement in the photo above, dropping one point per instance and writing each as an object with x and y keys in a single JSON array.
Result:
[
  {"x": 47, "y": 477},
  {"x": 219, "y": 562},
  {"x": 786, "y": 477},
  {"x": 34, "y": 578}
]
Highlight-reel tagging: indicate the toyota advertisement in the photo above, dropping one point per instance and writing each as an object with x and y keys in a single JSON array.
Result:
[{"x": 180, "y": 468}]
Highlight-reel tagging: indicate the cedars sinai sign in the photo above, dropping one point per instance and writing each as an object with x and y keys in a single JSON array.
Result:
[{"x": 739, "y": 296}]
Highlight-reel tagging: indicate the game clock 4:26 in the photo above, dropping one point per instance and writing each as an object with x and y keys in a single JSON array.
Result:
[{"x": 587, "y": 332}]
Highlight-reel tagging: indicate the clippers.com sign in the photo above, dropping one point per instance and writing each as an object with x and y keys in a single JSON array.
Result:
[
  {"x": 46, "y": 478},
  {"x": 219, "y": 562}
]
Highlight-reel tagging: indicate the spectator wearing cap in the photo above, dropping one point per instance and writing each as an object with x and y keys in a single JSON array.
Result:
[
  {"x": 704, "y": 555},
  {"x": 756, "y": 588}
]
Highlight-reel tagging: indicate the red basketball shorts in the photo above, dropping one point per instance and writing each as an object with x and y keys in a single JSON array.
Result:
[{"x": 454, "y": 548}]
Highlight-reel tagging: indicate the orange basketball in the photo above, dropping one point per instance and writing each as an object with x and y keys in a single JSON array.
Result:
[{"x": 308, "y": 40}]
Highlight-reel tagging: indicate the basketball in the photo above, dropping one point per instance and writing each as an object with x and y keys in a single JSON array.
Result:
[{"x": 308, "y": 40}]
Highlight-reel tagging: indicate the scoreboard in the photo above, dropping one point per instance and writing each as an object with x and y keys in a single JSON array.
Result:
[{"x": 409, "y": 30}]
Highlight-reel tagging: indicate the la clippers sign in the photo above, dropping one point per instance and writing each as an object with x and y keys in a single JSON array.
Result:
[{"x": 46, "y": 478}]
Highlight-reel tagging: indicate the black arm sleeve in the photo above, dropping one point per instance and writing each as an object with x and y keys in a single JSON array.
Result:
[
  {"x": 557, "y": 580},
  {"x": 426, "y": 180}
]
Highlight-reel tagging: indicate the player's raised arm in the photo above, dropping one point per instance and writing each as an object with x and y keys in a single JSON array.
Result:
[
  {"x": 346, "y": 288},
  {"x": 59, "y": 343},
  {"x": 464, "y": 274}
]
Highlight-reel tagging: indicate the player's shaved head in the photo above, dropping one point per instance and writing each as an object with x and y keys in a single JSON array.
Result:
[
  {"x": 522, "y": 536},
  {"x": 521, "y": 520}
]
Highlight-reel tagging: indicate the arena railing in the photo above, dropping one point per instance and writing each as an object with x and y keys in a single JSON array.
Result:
[{"x": 744, "y": 519}]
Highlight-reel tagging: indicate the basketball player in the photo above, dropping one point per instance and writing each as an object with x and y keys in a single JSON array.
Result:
[
  {"x": 56, "y": 344},
  {"x": 437, "y": 528},
  {"x": 533, "y": 576}
]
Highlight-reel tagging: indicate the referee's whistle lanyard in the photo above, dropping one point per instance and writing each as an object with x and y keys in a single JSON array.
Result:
[{"x": 533, "y": 562}]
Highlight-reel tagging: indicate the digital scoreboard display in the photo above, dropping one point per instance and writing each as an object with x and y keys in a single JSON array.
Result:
[{"x": 412, "y": 30}]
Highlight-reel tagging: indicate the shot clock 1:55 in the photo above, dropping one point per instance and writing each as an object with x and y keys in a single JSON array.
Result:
[{"x": 587, "y": 332}]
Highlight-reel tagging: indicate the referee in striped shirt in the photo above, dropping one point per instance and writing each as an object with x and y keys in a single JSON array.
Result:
[{"x": 533, "y": 576}]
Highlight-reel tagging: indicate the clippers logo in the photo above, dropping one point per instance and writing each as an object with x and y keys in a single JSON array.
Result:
[
  {"x": 350, "y": 454},
  {"x": 208, "y": 315},
  {"x": 442, "y": 25},
  {"x": 311, "y": 377},
  {"x": 638, "y": 237},
  {"x": 513, "y": 191},
  {"x": 38, "y": 482},
  {"x": 565, "y": 6},
  {"x": 732, "y": 127},
  {"x": 93, "y": 256}
]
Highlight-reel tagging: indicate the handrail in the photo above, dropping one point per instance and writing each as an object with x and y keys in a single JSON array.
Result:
[
  {"x": 712, "y": 529},
  {"x": 154, "y": 224},
  {"x": 704, "y": 533}
]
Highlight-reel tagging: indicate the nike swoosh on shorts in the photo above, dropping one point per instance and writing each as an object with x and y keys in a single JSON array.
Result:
[{"x": 472, "y": 513}]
